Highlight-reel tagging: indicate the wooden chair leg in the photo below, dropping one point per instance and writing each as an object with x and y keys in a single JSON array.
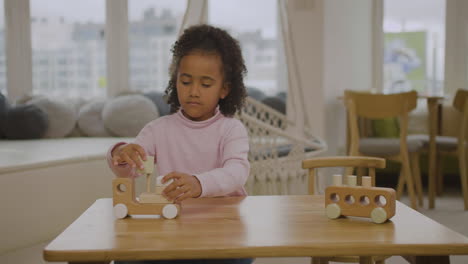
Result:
[
  {"x": 440, "y": 175},
  {"x": 365, "y": 260},
  {"x": 409, "y": 181},
  {"x": 463, "y": 174},
  {"x": 417, "y": 177},
  {"x": 401, "y": 183},
  {"x": 317, "y": 260}
]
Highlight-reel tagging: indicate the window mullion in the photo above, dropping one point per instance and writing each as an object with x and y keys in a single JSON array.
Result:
[
  {"x": 117, "y": 46},
  {"x": 18, "y": 48}
]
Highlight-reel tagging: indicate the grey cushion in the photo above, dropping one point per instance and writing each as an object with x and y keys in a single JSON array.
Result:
[
  {"x": 276, "y": 103},
  {"x": 26, "y": 122},
  {"x": 387, "y": 146},
  {"x": 62, "y": 117},
  {"x": 126, "y": 115},
  {"x": 443, "y": 143},
  {"x": 158, "y": 99},
  {"x": 90, "y": 119},
  {"x": 3, "y": 111},
  {"x": 256, "y": 93}
]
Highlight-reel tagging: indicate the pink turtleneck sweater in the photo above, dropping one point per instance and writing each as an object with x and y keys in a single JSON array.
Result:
[{"x": 215, "y": 151}]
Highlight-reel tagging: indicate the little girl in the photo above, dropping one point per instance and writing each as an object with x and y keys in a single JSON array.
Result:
[{"x": 200, "y": 146}]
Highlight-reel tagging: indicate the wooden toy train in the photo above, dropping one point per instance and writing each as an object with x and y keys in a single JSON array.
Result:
[
  {"x": 148, "y": 203},
  {"x": 362, "y": 201}
]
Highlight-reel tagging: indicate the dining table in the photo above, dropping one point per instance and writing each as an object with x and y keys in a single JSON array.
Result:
[{"x": 252, "y": 227}]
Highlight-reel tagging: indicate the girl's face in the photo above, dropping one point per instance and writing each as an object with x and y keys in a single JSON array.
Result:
[{"x": 200, "y": 85}]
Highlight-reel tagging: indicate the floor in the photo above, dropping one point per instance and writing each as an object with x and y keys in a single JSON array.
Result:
[{"x": 449, "y": 212}]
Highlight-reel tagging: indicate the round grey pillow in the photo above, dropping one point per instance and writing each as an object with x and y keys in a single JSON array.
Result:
[
  {"x": 126, "y": 115},
  {"x": 62, "y": 117},
  {"x": 90, "y": 119},
  {"x": 25, "y": 122},
  {"x": 158, "y": 99},
  {"x": 256, "y": 94},
  {"x": 3, "y": 112},
  {"x": 276, "y": 103}
]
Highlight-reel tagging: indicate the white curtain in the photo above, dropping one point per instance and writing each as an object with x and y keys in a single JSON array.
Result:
[
  {"x": 305, "y": 88},
  {"x": 195, "y": 13},
  {"x": 456, "y": 46}
]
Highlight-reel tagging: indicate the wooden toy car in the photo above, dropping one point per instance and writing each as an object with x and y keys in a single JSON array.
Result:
[
  {"x": 149, "y": 203},
  {"x": 362, "y": 201}
]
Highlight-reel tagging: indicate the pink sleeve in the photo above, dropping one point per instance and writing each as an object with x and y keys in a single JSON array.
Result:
[
  {"x": 144, "y": 139},
  {"x": 121, "y": 170},
  {"x": 233, "y": 174}
]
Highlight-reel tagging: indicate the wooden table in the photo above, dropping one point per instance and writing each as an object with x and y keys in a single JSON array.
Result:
[{"x": 255, "y": 226}]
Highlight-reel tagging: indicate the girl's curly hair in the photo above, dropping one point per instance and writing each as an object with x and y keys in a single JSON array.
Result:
[{"x": 206, "y": 38}]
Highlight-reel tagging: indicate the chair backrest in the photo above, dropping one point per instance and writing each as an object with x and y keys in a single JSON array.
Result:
[
  {"x": 459, "y": 103},
  {"x": 378, "y": 106},
  {"x": 460, "y": 99},
  {"x": 344, "y": 161}
]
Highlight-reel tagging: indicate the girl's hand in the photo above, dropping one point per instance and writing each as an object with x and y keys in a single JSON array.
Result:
[
  {"x": 184, "y": 186},
  {"x": 132, "y": 154}
]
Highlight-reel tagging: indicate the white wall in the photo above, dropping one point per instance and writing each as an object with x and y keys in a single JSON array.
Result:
[
  {"x": 333, "y": 40},
  {"x": 347, "y": 62}
]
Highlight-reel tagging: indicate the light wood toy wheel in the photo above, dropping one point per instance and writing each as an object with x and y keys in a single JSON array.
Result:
[
  {"x": 333, "y": 211},
  {"x": 120, "y": 211},
  {"x": 170, "y": 211},
  {"x": 378, "y": 215}
]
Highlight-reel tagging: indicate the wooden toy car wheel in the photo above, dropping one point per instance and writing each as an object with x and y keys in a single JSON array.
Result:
[
  {"x": 378, "y": 215},
  {"x": 170, "y": 211},
  {"x": 120, "y": 211},
  {"x": 333, "y": 211}
]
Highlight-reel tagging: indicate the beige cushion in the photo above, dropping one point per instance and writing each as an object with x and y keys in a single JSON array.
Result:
[
  {"x": 388, "y": 146},
  {"x": 126, "y": 115},
  {"x": 90, "y": 119}
]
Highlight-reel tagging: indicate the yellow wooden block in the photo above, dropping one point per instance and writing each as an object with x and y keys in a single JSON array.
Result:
[
  {"x": 159, "y": 189},
  {"x": 152, "y": 198},
  {"x": 148, "y": 165},
  {"x": 351, "y": 180}
]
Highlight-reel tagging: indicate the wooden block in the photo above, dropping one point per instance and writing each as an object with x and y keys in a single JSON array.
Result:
[
  {"x": 351, "y": 180},
  {"x": 148, "y": 166},
  {"x": 159, "y": 181},
  {"x": 152, "y": 198},
  {"x": 337, "y": 180},
  {"x": 159, "y": 189},
  {"x": 366, "y": 181},
  {"x": 367, "y": 202}
]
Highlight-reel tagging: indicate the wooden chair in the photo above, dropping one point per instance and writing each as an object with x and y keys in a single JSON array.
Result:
[
  {"x": 456, "y": 145},
  {"x": 362, "y": 105},
  {"x": 370, "y": 163}
]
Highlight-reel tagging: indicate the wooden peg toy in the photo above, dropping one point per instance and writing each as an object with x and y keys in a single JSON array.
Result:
[
  {"x": 362, "y": 201},
  {"x": 149, "y": 203}
]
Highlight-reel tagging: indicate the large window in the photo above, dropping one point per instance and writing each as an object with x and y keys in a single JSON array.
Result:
[
  {"x": 414, "y": 45},
  {"x": 3, "y": 83},
  {"x": 68, "y": 47},
  {"x": 153, "y": 28},
  {"x": 255, "y": 25}
]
